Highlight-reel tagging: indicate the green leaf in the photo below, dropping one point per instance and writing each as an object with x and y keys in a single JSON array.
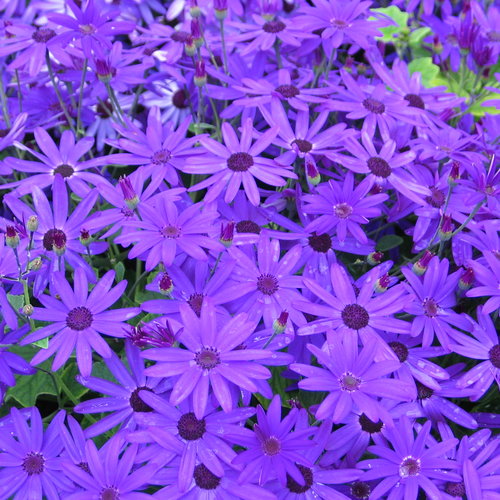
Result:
[
  {"x": 16, "y": 301},
  {"x": 416, "y": 37},
  {"x": 388, "y": 242},
  {"x": 398, "y": 16},
  {"x": 481, "y": 107},
  {"x": 29, "y": 387},
  {"x": 426, "y": 68},
  {"x": 120, "y": 271},
  {"x": 68, "y": 377},
  {"x": 43, "y": 343}
]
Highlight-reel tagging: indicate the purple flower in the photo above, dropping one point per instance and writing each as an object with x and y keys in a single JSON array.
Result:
[
  {"x": 124, "y": 399},
  {"x": 489, "y": 280},
  {"x": 29, "y": 458},
  {"x": 78, "y": 319},
  {"x": 351, "y": 378},
  {"x": 412, "y": 463},
  {"x": 237, "y": 163},
  {"x": 210, "y": 359}
]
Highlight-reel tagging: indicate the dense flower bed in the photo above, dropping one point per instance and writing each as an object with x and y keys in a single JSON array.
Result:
[{"x": 250, "y": 249}]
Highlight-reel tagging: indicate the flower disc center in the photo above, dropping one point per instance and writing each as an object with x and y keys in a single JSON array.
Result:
[
  {"x": 342, "y": 210},
  {"x": 288, "y": 91},
  {"x": 294, "y": 486},
  {"x": 190, "y": 428},
  {"x": 379, "y": 167},
  {"x": 494, "y": 355},
  {"x": 355, "y": 316},
  {"x": 79, "y": 318},
  {"x": 34, "y": 463},
  {"x": 239, "y": 162},
  {"x": 207, "y": 358},
  {"x": 267, "y": 284},
  {"x": 410, "y": 466},
  {"x": 374, "y": 106},
  {"x": 205, "y": 479},
  {"x": 65, "y": 170},
  {"x": 274, "y": 26}
]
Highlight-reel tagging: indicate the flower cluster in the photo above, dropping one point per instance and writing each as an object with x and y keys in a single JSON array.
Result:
[{"x": 249, "y": 249}]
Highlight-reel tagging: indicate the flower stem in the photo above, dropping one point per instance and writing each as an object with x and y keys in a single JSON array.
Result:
[{"x": 80, "y": 97}]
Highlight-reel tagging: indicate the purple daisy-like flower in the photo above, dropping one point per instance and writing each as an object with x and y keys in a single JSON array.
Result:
[
  {"x": 434, "y": 297},
  {"x": 30, "y": 466},
  {"x": 272, "y": 449},
  {"x": 238, "y": 162},
  {"x": 489, "y": 281},
  {"x": 164, "y": 232},
  {"x": 124, "y": 399},
  {"x": 110, "y": 475},
  {"x": 78, "y": 319},
  {"x": 412, "y": 463},
  {"x": 351, "y": 378},
  {"x": 210, "y": 359},
  {"x": 343, "y": 207}
]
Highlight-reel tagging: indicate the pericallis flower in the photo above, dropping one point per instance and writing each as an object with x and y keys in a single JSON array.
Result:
[
  {"x": 434, "y": 298},
  {"x": 165, "y": 231},
  {"x": 78, "y": 319},
  {"x": 124, "y": 400},
  {"x": 235, "y": 163},
  {"x": 111, "y": 473},
  {"x": 273, "y": 450},
  {"x": 489, "y": 280},
  {"x": 210, "y": 359},
  {"x": 352, "y": 379},
  {"x": 30, "y": 458},
  {"x": 178, "y": 432},
  {"x": 411, "y": 464}
]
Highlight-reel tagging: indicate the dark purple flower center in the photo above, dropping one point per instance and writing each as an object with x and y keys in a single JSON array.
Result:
[
  {"x": 415, "y": 101},
  {"x": 423, "y": 392},
  {"x": 84, "y": 466},
  {"x": 172, "y": 232},
  {"x": 65, "y": 170},
  {"x": 400, "y": 350},
  {"x": 274, "y": 26},
  {"x": 303, "y": 145},
  {"x": 190, "y": 428},
  {"x": 339, "y": 23},
  {"x": 354, "y": 316},
  {"x": 379, "y": 167},
  {"x": 34, "y": 463},
  {"x": 248, "y": 226},
  {"x": 110, "y": 493},
  {"x": 267, "y": 284},
  {"x": 288, "y": 91},
  {"x": 431, "y": 307},
  {"x": 179, "y": 99},
  {"x": 104, "y": 109},
  {"x": 294, "y": 486},
  {"x": 349, "y": 382},
  {"x": 271, "y": 446},
  {"x": 79, "y": 318},
  {"x": 180, "y": 36},
  {"x": 494, "y": 355},
  {"x": 410, "y": 466},
  {"x": 239, "y": 162},
  {"x": 342, "y": 210},
  {"x": 137, "y": 404},
  {"x": 374, "y": 106},
  {"x": 455, "y": 489},
  {"x": 360, "y": 490},
  {"x": 320, "y": 243},
  {"x": 205, "y": 479},
  {"x": 43, "y": 35},
  {"x": 54, "y": 237},
  {"x": 161, "y": 157},
  {"x": 207, "y": 358},
  {"x": 436, "y": 199},
  {"x": 127, "y": 212},
  {"x": 196, "y": 301},
  {"x": 369, "y": 425}
]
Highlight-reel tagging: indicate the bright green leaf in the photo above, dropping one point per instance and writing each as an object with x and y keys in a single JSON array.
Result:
[
  {"x": 417, "y": 36},
  {"x": 16, "y": 301},
  {"x": 120, "y": 271},
  {"x": 43, "y": 343},
  {"x": 426, "y": 68},
  {"x": 398, "y": 16},
  {"x": 388, "y": 242}
]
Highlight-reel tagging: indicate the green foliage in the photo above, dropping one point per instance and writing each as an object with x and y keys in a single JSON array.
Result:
[
  {"x": 388, "y": 242},
  {"x": 427, "y": 69},
  {"x": 390, "y": 33}
]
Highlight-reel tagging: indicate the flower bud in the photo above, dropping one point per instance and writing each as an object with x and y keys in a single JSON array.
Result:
[
  {"x": 194, "y": 9},
  {"x": 374, "y": 258},
  {"x": 422, "y": 264},
  {"x": 129, "y": 194},
  {"x": 196, "y": 33},
  {"x": 383, "y": 283},
  {"x": 200, "y": 74},
  {"x": 165, "y": 284},
  {"x": 454, "y": 174},
  {"x": 467, "y": 278},
  {"x": 446, "y": 229},
  {"x": 190, "y": 46},
  {"x": 227, "y": 234},
  {"x": 32, "y": 224},
  {"x": 279, "y": 324},
  {"x": 220, "y": 9},
  {"x": 11, "y": 237},
  {"x": 28, "y": 310},
  {"x": 312, "y": 172},
  {"x": 104, "y": 70},
  {"x": 59, "y": 242},
  {"x": 35, "y": 264},
  {"x": 85, "y": 237}
]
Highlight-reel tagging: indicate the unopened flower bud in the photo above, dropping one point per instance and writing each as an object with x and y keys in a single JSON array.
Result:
[
  {"x": 196, "y": 33},
  {"x": 200, "y": 74},
  {"x": 466, "y": 280},
  {"x": 129, "y": 194},
  {"x": 85, "y": 237},
  {"x": 446, "y": 229},
  {"x": 194, "y": 9},
  {"x": 28, "y": 310},
  {"x": 35, "y": 264},
  {"x": 454, "y": 173},
  {"x": 11, "y": 237},
  {"x": 32, "y": 223},
  {"x": 227, "y": 234},
  {"x": 104, "y": 70},
  {"x": 165, "y": 284},
  {"x": 312, "y": 172},
  {"x": 279, "y": 324},
  {"x": 383, "y": 283},
  {"x": 422, "y": 264},
  {"x": 190, "y": 46},
  {"x": 374, "y": 258},
  {"x": 220, "y": 9},
  {"x": 59, "y": 242}
]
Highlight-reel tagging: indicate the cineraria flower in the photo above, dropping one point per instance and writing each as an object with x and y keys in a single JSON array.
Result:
[
  {"x": 236, "y": 163},
  {"x": 350, "y": 313},
  {"x": 210, "y": 359},
  {"x": 484, "y": 345},
  {"x": 434, "y": 297},
  {"x": 78, "y": 319},
  {"x": 343, "y": 207},
  {"x": 29, "y": 458},
  {"x": 109, "y": 476},
  {"x": 413, "y": 463},
  {"x": 124, "y": 399},
  {"x": 62, "y": 160},
  {"x": 489, "y": 280},
  {"x": 272, "y": 449},
  {"x": 351, "y": 378},
  {"x": 164, "y": 232},
  {"x": 13, "y": 133},
  {"x": 268, "y": 286},
  {"x": 161, "y": 149}
]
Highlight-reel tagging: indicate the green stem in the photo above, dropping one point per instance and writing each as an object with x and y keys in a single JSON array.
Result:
[
  {"x": 278, "y": 54},
  {"x": 80, "y": 96},
  {"x": 116, "y": 104},
  {"x": 19, "y": 93},
  {"x": 224, "y": 50},
  {"x": 3, "y": 97}
]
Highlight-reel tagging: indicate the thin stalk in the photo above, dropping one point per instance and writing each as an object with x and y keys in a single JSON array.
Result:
[
  {"x": 224, "y": 50},
  {"x": 80, "y": 96},
  {"x": 3, "y": 97}
]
